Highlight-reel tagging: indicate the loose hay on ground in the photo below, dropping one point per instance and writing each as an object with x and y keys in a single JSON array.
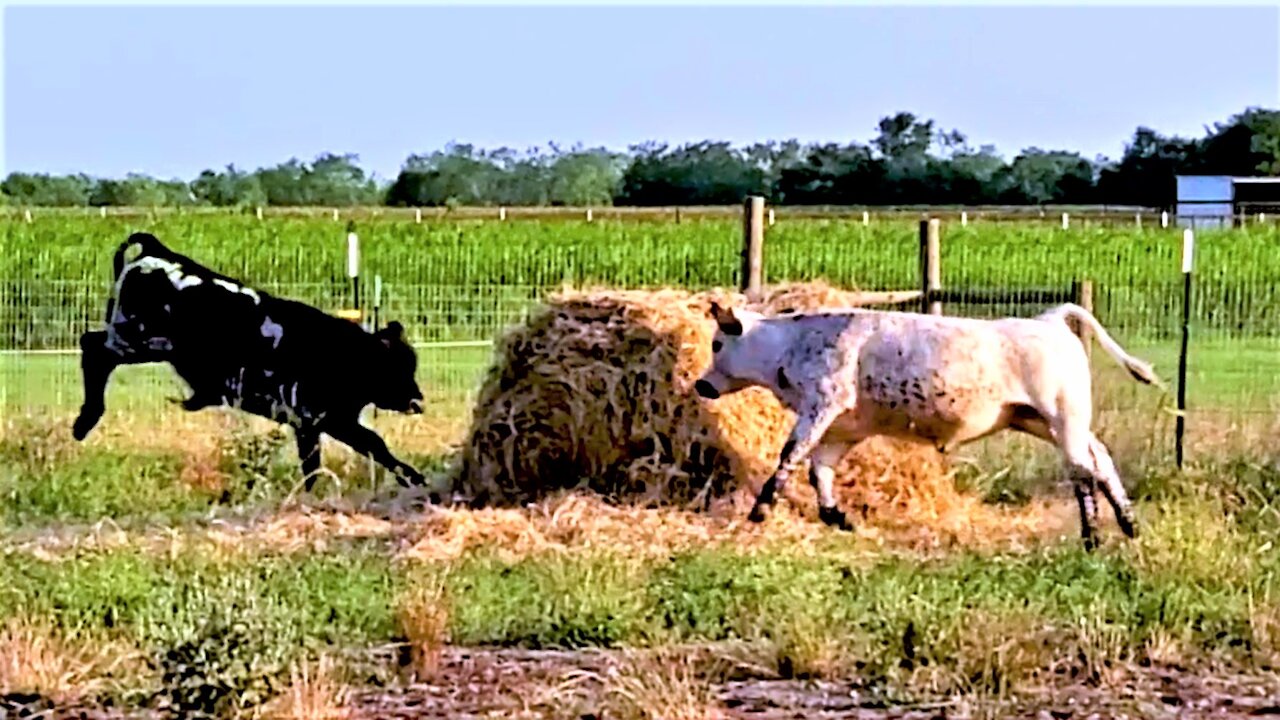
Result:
[{"x": 595, "y": 391}]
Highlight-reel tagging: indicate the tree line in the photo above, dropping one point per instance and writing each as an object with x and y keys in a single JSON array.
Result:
[{"x": 909, "y": 161}]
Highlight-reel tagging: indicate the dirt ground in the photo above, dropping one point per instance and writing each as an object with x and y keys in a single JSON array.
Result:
[{"x": 473, "y": 683}]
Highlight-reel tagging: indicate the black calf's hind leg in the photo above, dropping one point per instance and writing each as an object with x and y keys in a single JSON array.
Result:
[
  {"x": 308, "y": 439},
  {"x": 96, "y": 364},
  {"x": 366, "y": 442}
]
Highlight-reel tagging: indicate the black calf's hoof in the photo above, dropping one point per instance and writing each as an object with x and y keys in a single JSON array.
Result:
[
  {"x": 758, "y": 514},
  {"x": 836, "y": 518},
  {"x": 83, "y": 424},
  {"x": 408, "y": 477}
]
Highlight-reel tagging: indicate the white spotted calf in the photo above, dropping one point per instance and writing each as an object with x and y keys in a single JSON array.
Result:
[{"x": 852, "y": 374}]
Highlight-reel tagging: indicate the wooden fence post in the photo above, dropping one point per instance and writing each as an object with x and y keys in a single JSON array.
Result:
[
  {"x": 930, "y": 265},
  {"x": 1082, "y": 290},
  {"x": 753, "y": 246}
]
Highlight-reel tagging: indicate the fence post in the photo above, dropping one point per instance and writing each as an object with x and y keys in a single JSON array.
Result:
[
  {"x": 502, "y": 213},
  {"x": 1082, "y": 291},
  {"x": 417, "y": 215},
  {"x": 1188, "y": 249},
  {"x": 930, "y": 265},
  {"x": 964, "y": 218},
  {"x": 753, "y": 246},
  {"x": 374, "y": 327},
  {"x": 353, "y": 264},
  {"x": 866, "y": 218}
]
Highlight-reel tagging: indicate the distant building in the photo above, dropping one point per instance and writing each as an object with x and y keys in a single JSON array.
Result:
[{"x": 1223, "y": 200}]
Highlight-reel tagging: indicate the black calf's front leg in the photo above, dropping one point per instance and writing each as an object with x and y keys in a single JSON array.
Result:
[
  {"x": 366, "y": 442},
  {"x": 97, "y": 362},
  {"x": 308, "y": 439}
]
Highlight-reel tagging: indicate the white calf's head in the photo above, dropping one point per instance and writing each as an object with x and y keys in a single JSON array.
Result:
[{"x": 744, "y": 352}]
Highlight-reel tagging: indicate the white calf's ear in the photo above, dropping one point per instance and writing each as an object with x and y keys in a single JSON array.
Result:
[{"x": 726, "y": 319}]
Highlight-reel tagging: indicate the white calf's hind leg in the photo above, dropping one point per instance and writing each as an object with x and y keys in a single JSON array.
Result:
[
  {"x": 1073, "y": 437},
  {"x": 1085, "y": 488},
  {"x": 1112, "y": 488},
  {"x": 822, "y": 474}
]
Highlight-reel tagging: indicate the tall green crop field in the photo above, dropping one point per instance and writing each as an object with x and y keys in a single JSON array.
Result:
[{"x": 465, "y": 279}]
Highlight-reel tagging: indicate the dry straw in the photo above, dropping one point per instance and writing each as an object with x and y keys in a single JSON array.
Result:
[{"x": 595, "y": 391}]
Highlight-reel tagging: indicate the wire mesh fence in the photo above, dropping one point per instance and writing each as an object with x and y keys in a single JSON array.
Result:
[{"x": 456, "y": 283}]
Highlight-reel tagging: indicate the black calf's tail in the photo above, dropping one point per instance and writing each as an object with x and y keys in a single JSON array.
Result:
[{"x": 149, "y": 244}]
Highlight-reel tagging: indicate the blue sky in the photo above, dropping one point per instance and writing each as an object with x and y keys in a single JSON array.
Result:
[{"x": 172, "y": 90}]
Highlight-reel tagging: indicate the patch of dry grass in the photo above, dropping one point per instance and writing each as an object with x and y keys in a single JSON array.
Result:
[
  {"x": 315, "y": 692},
  {"x": 36, "y": 658},
  {"x": 422, "y": 612},
  {"x": 582, "y": 522},
  {"x": 665, "y": 684}
]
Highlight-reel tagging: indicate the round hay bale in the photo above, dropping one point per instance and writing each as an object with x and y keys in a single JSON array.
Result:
[
  {"x": 595, "y": 391},
  {"x": 592, "y": 391}
]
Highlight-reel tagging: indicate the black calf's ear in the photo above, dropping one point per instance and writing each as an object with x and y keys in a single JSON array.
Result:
[{"x": 392, "y": 332}]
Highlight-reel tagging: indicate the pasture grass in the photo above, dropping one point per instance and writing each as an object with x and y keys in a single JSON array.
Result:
[{"x": 1199, "y": 587}]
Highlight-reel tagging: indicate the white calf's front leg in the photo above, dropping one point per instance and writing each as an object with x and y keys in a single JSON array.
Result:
[{"x": 811, "y": 424}]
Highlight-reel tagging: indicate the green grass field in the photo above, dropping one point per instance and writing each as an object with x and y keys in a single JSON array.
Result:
[{"x": 172, "y": 563}]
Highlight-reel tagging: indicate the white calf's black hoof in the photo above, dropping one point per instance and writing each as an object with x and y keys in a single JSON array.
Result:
[{"x": 835, "y": 517}]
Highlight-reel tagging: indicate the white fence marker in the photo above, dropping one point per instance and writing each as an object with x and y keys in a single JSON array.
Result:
[
  {"x": 26, "y": 215},
  {"x": 1262, "y": 217},
  {"x": 259, "y": 212},
  {"x": 1137, "y": 219},
  {"x": 1066, "y": 221},
  {"x": 335, "y": 214},
  {"x": 866, "y": 217},
  {"x": 1188, "y": 247},
  {"x": 588, "y": 214},
  {"x": 353, "y": 255},
  {"x": 417, "y": 215},
  {"x": 770, "y": 216},
  {"x": 102, "y": 211},
  {"x": 1164, "y": 219},
  {"x": 502, "y": 213}
]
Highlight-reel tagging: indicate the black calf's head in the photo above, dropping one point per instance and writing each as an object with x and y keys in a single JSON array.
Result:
[{"x": 394, "y": 384}]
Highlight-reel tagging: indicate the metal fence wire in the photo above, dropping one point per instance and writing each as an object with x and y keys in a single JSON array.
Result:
[{"x": 456, "y": 283}]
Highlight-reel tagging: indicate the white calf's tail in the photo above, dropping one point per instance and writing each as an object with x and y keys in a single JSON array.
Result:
[{"x": 1139, "y": 369}]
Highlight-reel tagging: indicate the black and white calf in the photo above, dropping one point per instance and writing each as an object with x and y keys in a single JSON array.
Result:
[{"x": 238, "y": 346}]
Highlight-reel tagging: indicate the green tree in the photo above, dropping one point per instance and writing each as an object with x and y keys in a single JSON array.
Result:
[
  {"x": 585, "y": 177},
  {"x": 1247, "y": 144},
  {"x": 1049, "y": 176},
  {"x": 229, "y": 188},
  {"x": 39, "y": 189}
]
